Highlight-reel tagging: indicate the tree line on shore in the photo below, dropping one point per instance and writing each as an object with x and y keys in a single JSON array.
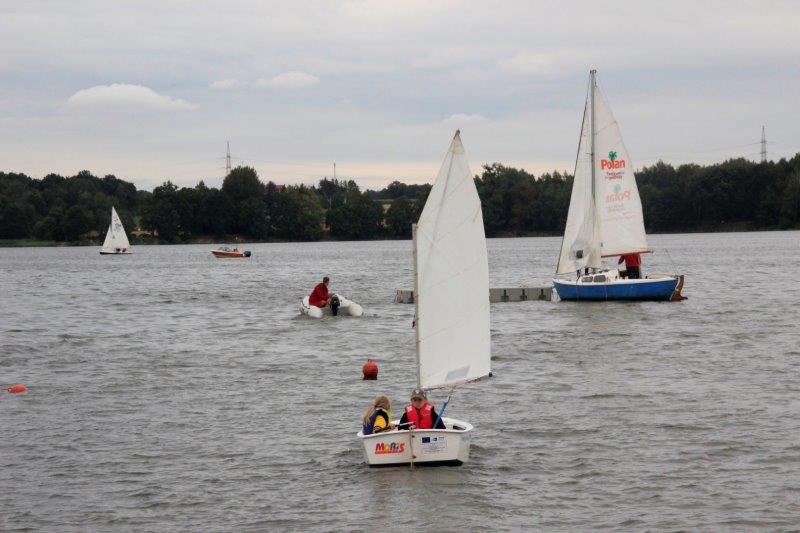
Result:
[{"x": 736, "y": 194}]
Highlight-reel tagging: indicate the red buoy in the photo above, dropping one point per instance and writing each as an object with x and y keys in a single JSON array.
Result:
[
  {"x": 370, "y": 369},
  {"x": 16, "y": 388}
]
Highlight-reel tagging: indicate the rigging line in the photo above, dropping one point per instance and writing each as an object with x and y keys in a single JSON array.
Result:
[{"x": 674, "y": 268}]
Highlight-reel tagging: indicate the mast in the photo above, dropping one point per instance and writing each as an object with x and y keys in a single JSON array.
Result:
[
  {"x": 416, "y": 299},
  {"x": 592, "y": 84}
]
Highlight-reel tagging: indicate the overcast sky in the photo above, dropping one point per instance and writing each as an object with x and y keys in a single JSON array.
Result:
[{"x": 151, "y": 91}]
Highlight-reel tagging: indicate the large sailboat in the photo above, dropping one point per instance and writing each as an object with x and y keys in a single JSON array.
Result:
[
  {"x": 116, "y": 240},
  {"x": 453, "y": 346},
  {"x": 605, "y": 217}
]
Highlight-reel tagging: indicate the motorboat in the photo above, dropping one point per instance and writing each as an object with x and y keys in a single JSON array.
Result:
[{"x": 224, "y": 252}]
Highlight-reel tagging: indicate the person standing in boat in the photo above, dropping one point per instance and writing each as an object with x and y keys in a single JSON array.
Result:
[
  {"x": 633, "y": 264},
  {"x": 319, "y": 297},
  {"x": 420, "y": 414},
  {"x": 378, "y": 417}
]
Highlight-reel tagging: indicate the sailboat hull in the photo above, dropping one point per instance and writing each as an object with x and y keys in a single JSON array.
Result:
[
  {"x": 424, "y": 447},
  {"x": 586, "y": 289},
  {"x": 115, "y": 253}
]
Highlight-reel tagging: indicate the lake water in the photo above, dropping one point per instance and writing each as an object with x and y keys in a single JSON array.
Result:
[{"x": 168, "y": 390}]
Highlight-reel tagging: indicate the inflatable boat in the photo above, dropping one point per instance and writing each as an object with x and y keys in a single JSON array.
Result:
[{"x": 340, "y": 306}]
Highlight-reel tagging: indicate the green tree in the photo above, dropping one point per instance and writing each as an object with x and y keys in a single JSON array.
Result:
[
  {"x": 161, "y": 212},
  {"x": 400, "y": 217},
  {"x": 242, "y": 183},
  {"x": 77, "y": 221}
]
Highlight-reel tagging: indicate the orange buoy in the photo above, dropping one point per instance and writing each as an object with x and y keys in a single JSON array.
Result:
[
  {"x": 16, "y": 388},
  {"x": 370, "y": 369}
]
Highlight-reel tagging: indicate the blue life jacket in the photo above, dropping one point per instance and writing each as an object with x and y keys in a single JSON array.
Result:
[{"x": 369, "y": 427}]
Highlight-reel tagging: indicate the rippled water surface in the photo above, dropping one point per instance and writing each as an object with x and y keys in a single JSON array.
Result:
[{"x": 169, "y": 390}]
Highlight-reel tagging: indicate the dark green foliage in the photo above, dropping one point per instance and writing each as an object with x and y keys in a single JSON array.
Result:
[
  {"x": 400, "y": 217},
  {"x": 298, "y": 214},
  {"x": 77, "y": 221},
  {"x": 354, "y": 215},
  {"x": 515, "y": 202},
  {"x": 736, "y": 194},
  {"x": 63, "y": 209}
]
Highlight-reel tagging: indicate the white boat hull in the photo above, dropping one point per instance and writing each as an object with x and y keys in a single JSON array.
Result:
[
  {"x": 423, "y": 447},
  {"x": 346, "y": 308}
]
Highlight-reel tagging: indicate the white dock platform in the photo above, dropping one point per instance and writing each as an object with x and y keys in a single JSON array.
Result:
[{"x": 510, "y": 294}]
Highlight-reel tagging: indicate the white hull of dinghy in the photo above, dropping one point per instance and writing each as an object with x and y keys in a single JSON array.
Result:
[
  {"x": 346, "y": 308},
  {"x": 423, "y": 447}
]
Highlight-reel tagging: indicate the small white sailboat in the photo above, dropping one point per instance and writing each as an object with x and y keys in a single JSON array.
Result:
[
  {"x": 452, "y": 315},
  {"x": 116, "y": 242},
  {"x": 605, "y": 216}
]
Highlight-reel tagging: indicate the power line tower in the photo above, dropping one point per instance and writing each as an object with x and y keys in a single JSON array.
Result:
[
  {"x": 763, "y": 145},
  {"x": 228, "y": 160}
]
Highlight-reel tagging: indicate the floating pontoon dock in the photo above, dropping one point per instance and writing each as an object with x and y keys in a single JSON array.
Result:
[{"x": 512, "y": 294}]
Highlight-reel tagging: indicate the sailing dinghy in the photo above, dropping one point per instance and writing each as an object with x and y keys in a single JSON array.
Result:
[
  {"x": 451, "y": 275},
  {"x": 116, "y": 242},
  {"x": 605, "y": 216}
]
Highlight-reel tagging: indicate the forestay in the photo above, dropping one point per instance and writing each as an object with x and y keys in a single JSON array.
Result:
[
  {"x": 115, "y": 237},
  {"x": 453, "y": 336}
]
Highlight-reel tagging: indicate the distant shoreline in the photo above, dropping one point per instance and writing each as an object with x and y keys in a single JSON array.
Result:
[{"x": 238, "y": 239}]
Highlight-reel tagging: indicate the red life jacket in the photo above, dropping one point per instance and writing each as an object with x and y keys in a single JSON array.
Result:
[
  {"x": 319, "y": 296},
  {"x": 423, "y": 418}
]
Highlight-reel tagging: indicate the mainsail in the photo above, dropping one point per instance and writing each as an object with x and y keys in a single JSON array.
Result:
[
  {"x": 619, "y": 208},
  {"x": 452, "y": 285},
  {"x": 115, "y": 237},
  {"x": 605, "y": 212}
]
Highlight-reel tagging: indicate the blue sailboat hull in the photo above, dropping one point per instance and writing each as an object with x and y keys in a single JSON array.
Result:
[{"x": 644, "y": 289}]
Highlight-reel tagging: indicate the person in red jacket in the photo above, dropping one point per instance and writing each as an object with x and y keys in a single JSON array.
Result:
[
  {"x": 319, "y": 297},
  {"x": 420, "y": 414},
  {"x": 633, "y": 263}
]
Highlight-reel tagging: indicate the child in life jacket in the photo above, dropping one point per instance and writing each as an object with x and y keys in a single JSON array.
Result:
[
  {"x": 378, "y": 417},
  {"x": 420, "y": 414}
]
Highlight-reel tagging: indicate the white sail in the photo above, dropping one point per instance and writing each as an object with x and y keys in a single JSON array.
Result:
[
  {"x": 581, "y": 244},
  {"x": 452, "y": 286},
  {"x": 619, "y": 207},
  {"x": 116, "y": 239}
]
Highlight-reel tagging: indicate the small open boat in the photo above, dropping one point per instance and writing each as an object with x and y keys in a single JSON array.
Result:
[
  {"x": 451, "y": 274},
  {"x": 339, "y": 306},
  {"x": 116, "y": 242},
  {"x": 223, "y": 252},
  {"x": 605, "y": 217}
]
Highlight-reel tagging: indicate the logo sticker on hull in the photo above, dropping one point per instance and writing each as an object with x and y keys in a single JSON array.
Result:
[
  {"x": 391, "y": 447},
  {"x": 433, "y": 444}
]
